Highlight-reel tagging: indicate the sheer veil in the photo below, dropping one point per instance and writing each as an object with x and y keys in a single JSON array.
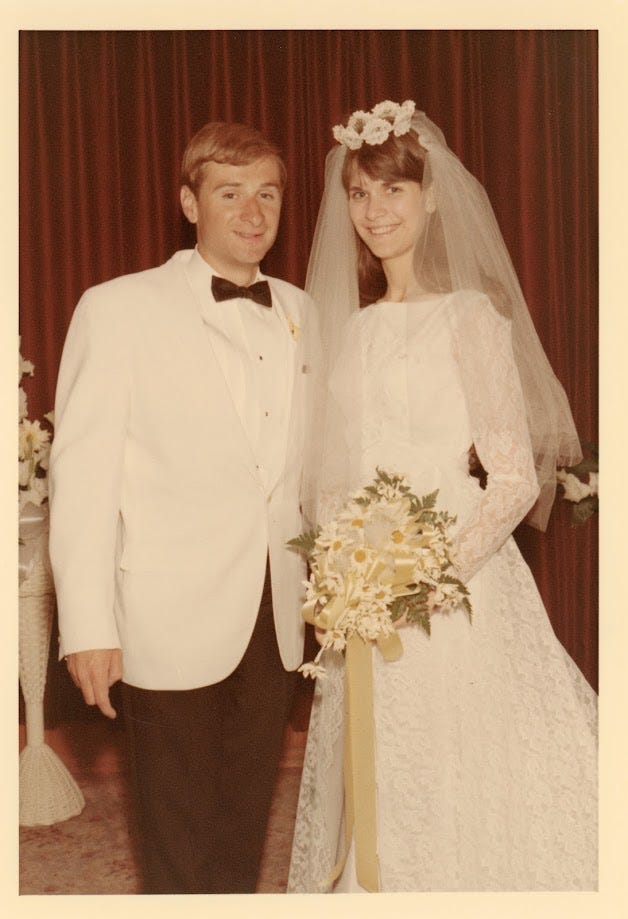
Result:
[{"x": 461, "y": 248}]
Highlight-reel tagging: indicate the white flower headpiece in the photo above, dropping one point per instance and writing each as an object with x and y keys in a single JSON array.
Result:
[{"x": 374, "y": 127}]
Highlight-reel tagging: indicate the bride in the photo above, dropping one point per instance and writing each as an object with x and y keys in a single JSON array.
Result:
[{"x": 485, "y": 731}]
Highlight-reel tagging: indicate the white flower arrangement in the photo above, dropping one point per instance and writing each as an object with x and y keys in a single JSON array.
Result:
[
  {"x": 374, "y": 127},
  {"x": 33, "y": 448},
  {"x": 385, "y": 556},
  {"x": 580, "y": 485}
]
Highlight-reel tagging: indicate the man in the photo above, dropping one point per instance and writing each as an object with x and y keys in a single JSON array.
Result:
[{"x": 180, "y": 416}]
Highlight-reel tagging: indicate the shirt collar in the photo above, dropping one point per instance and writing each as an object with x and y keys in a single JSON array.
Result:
[{"x": 202, "y": 270}]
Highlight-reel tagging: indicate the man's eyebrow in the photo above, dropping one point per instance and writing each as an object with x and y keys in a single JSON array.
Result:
[
  {"x": 240, "y": 184},
  {"x": 236, "y": 185}
]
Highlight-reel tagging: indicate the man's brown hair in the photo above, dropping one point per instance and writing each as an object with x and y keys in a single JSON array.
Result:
[{"x": 225, "y": 142}]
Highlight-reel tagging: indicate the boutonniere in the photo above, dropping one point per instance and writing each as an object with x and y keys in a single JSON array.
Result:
[{"x": 295, "y": 330}]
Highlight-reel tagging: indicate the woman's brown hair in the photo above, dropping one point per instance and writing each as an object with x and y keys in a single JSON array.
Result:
[{"x": 397, "y": 159}]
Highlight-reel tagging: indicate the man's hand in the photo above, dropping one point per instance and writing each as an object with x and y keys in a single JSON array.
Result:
[{"x": 94, "y": 672}]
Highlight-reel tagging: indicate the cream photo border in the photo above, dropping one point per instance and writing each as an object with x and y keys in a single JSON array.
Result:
[{"x": 610, "y": 19}]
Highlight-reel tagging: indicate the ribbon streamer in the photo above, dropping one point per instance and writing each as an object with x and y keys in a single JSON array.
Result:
[
  {"x": 360, "y": 786},
  {"x": 359, "y": 744}
]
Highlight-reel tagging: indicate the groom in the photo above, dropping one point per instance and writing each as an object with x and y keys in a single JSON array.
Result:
[{"x": 181, "y": 404}]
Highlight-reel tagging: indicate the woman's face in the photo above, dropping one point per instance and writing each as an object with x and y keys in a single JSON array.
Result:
[{"x": 388, "y": 216}]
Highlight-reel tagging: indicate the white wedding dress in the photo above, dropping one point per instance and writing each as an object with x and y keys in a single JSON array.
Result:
[{"x": 486, "y": 743}]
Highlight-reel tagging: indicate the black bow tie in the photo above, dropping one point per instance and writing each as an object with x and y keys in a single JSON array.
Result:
[{"x": 226, "y": 290}]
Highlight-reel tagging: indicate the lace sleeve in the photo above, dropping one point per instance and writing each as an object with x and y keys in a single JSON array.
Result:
[{"x": 482, "y": 346}]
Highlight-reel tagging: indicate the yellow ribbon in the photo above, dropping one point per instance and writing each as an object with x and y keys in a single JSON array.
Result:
[
  {"x": 359, "y": 762},
  {"x": 359, "y": 744}
]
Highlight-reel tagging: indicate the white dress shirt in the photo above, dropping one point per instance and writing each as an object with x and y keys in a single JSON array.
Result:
[{"x": 254, "y": 347}]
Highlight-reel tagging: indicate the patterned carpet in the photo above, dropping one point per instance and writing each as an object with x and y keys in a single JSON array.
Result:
[{"x": 93, "y": 853}]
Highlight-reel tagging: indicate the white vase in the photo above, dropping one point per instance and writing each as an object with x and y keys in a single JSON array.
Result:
[{"x": 48, "y": 793}]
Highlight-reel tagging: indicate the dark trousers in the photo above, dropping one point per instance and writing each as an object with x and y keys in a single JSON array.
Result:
[{"x": 204, "y": 763}]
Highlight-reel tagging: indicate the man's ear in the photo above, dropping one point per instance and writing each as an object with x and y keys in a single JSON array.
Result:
[
  {"x": 430, "y": 200},
  {"x": 188, "y": 203}
]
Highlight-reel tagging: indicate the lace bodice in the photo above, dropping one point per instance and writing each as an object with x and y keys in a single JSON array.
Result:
[{"x": 437, "y": 376}]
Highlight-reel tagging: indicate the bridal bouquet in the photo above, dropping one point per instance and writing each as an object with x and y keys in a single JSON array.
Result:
[{"x": 385, "y": 556}]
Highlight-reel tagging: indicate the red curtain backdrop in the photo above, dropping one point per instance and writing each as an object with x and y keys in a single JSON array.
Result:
[{"x": 105, "y": 116}]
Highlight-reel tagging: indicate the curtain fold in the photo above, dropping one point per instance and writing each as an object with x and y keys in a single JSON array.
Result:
[{"x": 105, "y": 116}]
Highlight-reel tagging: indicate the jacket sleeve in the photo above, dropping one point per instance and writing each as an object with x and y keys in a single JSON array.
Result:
[
  {"x": 483, "y": 348},
  {"x": 91, "y": 413}
]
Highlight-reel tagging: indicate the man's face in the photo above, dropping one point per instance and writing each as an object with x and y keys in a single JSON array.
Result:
[{"x": 236, "y": 215}]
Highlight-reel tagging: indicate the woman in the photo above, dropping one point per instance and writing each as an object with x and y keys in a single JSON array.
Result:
[{"x": 485, "y": 732}]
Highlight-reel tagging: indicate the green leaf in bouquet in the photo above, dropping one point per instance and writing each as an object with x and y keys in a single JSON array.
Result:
[
  {"x": 467, "y": 605},
  {"x": 462, "y": 590},
  {"x": 387, "y": 478},
  {"x": 429, "y": 501},
  {"x": 392, "y": 479},
  {"x": 414, "y": 608},
  {"x": 305, "y": 542},
  {"x": 450, "y": 579},
  {"x": 398, "y": 607},
  {"x": 422, "y": 619}
]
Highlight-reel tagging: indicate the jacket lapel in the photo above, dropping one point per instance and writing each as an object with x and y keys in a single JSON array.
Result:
[{"x": 211, "y": 352}]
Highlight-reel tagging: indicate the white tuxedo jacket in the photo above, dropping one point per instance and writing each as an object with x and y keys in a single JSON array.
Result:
[{"x": 160, "y": 524}]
